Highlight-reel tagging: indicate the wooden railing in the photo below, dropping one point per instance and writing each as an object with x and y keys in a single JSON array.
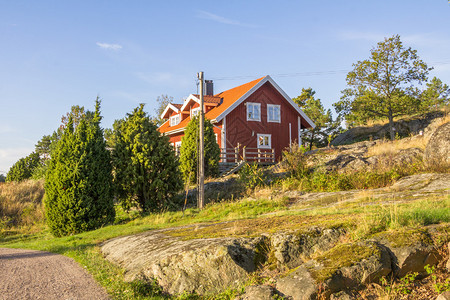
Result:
[{"x": 239, "y": 153}]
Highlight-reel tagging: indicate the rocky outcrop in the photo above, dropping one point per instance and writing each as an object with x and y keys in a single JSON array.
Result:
[
  {"x": 291, "y": 249},
  {"x": 258, "y": 292},
  {"x": 411, "y": 251},
  {"x": 345, "y": 267},
  {"x": 437, "y": 152},
  {"x": 425, "y": 124},
  {"x": 354, "y": 157},
  {"x": 200, "y": 265}
]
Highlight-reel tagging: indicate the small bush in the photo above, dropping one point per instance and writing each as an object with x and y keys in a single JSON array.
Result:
[{"x": 251, "y": 176}]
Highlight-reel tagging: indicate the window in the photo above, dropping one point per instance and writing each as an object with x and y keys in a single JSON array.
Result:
[
  {"x": 273, "y": 113},
  {"x": 174, "y": 120},
  {"x": 253, "y": 111},
  {"x": 195, "y": 112},
  {"x": 264, "y": 140}
]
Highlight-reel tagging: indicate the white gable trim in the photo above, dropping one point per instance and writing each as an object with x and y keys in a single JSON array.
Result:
[
  {"x": 256, "y": 87},
  {"x": 186, "y": 102},
  {"x": 169, "y": 106}
]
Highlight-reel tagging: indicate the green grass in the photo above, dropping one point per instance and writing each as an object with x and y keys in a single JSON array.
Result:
[{"x": 362, "y": 217}]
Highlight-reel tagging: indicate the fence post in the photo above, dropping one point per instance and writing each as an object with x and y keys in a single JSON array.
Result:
[
  {"x": 273, "y": 155},
  {"x": 259, "y": 155},
  {"x": 236, "y": 153},
  {"x": 243, "y": 154}
]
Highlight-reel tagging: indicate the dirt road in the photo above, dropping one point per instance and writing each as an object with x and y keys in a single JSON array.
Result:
[{"x": 29, "y": 274}]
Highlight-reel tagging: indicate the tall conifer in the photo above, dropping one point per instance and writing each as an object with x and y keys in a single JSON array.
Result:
[{"x": 79, "y": 179}]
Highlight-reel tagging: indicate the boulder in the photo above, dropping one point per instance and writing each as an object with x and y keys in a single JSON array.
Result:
[
  {"x": 437, "y": 152},
  {"x": 411, "y": 251},
  {"x": 258, "y": 292},
  {"x": 300, "y": 285},
  {"x": 195, "y": 266},
  {"x": 291, "y": 249},
  {"x": 345, "y": 267}
]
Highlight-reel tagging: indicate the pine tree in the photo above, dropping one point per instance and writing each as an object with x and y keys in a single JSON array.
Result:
[
  {"x": 189, "y": 151},
  {"x": 146, "y": 169},
  {"x": 79, "y": 179}
]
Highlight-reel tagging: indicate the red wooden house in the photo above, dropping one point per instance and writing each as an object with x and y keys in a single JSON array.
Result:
[{"x": 257, "y": 115}]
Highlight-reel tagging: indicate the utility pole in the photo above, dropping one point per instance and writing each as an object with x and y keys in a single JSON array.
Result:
[{"x": 201, "y": 156}]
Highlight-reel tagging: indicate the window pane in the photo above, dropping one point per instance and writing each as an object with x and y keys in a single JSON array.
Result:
[{"x": 256, "y": 113}]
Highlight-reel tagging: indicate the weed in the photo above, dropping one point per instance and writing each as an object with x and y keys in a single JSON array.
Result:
[{"x": 439, "y": 286}]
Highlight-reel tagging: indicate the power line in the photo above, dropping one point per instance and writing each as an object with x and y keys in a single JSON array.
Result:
[{"x": 310, "y": 73}]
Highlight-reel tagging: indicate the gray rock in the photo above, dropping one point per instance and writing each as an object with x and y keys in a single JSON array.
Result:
[
  {"x": 341, "y": 296},
  {"x": 201, "y": 265},
  {"x": 437, "y": 152},
  {"x": 425, "y": 123},
  {"x": 411, "y": 251},
  {"x": 345, "y": 267},
  {"x": 299, "y": 285},
  {"x": 258, "y": 292},
  {"x": 444, "y": 296},
  {"x": 291, "y": 249}
]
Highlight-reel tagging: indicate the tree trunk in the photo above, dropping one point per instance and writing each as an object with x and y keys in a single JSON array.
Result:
[{"x": 391, "y": 125}]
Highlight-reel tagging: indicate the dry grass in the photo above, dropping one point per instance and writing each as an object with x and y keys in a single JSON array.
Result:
[
  {"x": 21, "y": 204},
  {"x": 387, "y": 147}
]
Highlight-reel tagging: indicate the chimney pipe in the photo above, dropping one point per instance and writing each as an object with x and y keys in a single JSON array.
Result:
[{"x": 209, "y": 88}]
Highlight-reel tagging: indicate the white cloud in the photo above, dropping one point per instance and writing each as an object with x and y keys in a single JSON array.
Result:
[
  {"x": 107, "y": 46},
  {"x": 216, "y": 18}
]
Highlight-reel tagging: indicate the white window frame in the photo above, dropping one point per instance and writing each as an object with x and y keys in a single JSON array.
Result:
[
  {"x": 274, "y": 108},
  {"x": 175, "y": 120},
  {"x": 251, "y": 106},
  {"x": 195, "y": 112},
  {"x": 263, "y": 136}
]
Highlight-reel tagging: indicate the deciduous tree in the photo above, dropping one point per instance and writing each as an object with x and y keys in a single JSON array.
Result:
[{"x": 383, "y": 85}]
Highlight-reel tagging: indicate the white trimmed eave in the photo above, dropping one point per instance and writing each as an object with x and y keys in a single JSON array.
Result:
[
  {"x": 188, "y": 100},
  {"x": 169, "y": 106},
  {"x": 256, "y": 87}
]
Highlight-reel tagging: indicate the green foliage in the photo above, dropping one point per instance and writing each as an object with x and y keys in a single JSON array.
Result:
[
  {"x": 79, "y": 179},
  {"x": 435, "y": 96},
  {"x": 146, "y": 169},
  {"x": 23, "y": 168},
  {"x": 382, "y": 86},
  {"x": 440, "y": 286},
  {"x": 251, "y": 176},
  {"x": 294, "y": 161},
  {"x": 189, "y": 151},
  {"x": 325, "y": 128}
]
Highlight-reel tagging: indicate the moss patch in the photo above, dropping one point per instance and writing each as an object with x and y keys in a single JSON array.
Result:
[
  {"x": 406, "y": 237},
  {"x": 256, "y": 227},
  {"x": 343, "y": 255}
]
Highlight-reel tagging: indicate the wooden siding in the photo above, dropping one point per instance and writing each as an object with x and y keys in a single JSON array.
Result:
[{"x": 239, "y": 130}]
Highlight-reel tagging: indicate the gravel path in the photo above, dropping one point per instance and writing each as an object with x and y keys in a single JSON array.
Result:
[{"x": 29, "y": 274}]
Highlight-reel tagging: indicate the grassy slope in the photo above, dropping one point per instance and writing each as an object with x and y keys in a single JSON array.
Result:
[{"x": 265, "y": 211}]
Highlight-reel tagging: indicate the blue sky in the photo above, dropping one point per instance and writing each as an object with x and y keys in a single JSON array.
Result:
[{"x": 55, "y": 54}]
